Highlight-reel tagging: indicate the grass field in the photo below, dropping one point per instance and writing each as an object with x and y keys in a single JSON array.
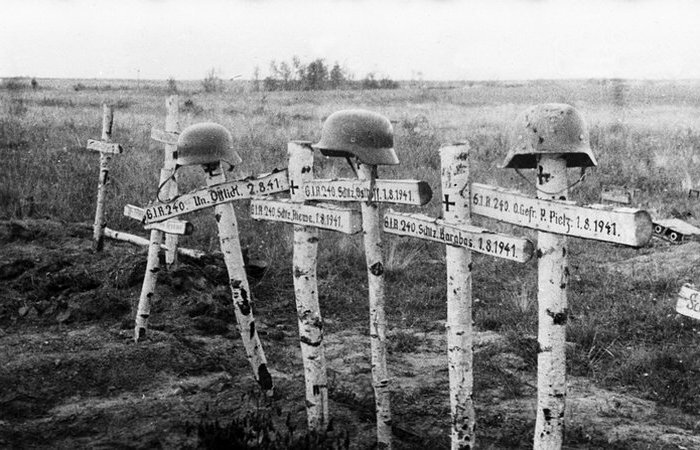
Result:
[{"x": 623, "y": 331}]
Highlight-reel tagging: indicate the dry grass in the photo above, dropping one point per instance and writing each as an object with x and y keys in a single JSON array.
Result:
[{"x": 648, "y": 138}]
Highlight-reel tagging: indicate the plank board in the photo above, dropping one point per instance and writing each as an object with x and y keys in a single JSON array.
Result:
[
  {"x": 470, "y": 237},
  {"x": 627, "y": 226},
  {"x": 172, "y": 226},
  {"x": 619, "y": 194},
  {"x": 405, "y": 192},
  {"x": 616, "y": 196},
  {"x": 104, "y": 147},
  {"x": 326, "y": 216},
  {"x": 688, "y": 302},
  {"x": 678, "y": 225},
  {"x": 166, "y": 137},
  {"x": 216, "y": 195}
]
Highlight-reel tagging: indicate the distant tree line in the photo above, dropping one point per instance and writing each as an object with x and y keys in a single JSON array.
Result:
[{"x": 314, "y": 76}]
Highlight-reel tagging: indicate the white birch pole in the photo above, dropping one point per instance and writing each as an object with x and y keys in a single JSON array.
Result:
[
  {"x": 148, "y": 288},
  {"x": 100, "y": 224},
  {"x": 371, "y": 231},
  {"x": 552, "y": 313},
  {"x": 242, "y": 299},
  {"x": 301, "y": 159},
  {"x": 170, "y": 189},
  {"x": 456, "y": 208}
]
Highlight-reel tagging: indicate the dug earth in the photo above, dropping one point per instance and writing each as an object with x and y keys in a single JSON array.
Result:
[{"x": 72, "y": 377}]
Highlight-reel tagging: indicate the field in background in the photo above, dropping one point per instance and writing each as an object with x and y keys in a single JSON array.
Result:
[{"x": 623, "y": 331}]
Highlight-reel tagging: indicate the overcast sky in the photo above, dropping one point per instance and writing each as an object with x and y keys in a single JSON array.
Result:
[{"x": 442, "y": 40}]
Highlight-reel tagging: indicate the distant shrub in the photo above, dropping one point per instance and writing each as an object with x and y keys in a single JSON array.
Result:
[
  {"x": 297, "y": 76},
  {"x": 387, "y": 83},
  {"x": 370, "y": 82},
  {"x": 79, "y": 87},
  {"x": 172, "y": 86},
  {"x": 211, "y": 82},
  {"x": 13, "y": 84}
]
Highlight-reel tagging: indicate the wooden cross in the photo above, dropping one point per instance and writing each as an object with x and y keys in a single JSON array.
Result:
[
  {"x": 292, "y": 187},
  {"x": 106, "y": 149}
]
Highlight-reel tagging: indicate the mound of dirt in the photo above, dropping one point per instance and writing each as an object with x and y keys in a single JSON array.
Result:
[
  {"x": 73, "y": 377},
  {"x": 673, "y": 261}
]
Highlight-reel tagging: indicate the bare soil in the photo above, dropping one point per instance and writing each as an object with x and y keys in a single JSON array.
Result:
[{"x": 72, "y": 377}]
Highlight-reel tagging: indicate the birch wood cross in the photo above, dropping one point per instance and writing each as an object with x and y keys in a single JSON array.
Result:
[
  {"x": 106, "y": 149},
  {"x": 307, "y": 219},
  {"x": 461, "y": 239},
  {"x": 169, "y": 189},
  {"x": 206, "y": 144},
  {"x": 550, "y": 138}
]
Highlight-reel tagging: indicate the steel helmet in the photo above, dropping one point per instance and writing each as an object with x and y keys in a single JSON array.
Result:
[
  {"x": 356, "y": 132},
  {"x": 205, "y": 143},
  {"x": 550, "y": 128}
]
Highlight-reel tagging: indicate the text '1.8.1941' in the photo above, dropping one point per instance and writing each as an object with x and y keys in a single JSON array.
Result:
[
  {"x": 460, "y": 235},
  {"x": 626, "y": 226},
  {"x": 405, "y": 192},
  {"x": 329, "y": 217}
]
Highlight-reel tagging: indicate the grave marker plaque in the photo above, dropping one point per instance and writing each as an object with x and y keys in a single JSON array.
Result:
[
  {"x": 688, "y": 302},
  {"x": 627, "y": 226},
  {"x": 219, "y": 194}
]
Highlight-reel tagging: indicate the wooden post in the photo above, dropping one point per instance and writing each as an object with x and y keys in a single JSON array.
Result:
[
  {"x": 170, "y": 189},
  {"x": 100, "y": 224},
  {"x": 552, "y": 313},
  {"x": 371, "y": 231},
  {"x": 242, "y": 298},
  {"x": 456, "y": 208},
  {"x": 148, "y": 288},
  {"x": 301, "y": 159}
]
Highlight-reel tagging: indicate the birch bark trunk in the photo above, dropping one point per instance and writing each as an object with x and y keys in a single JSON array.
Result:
[
  {"x": 170, "y": 189},
  {"x": 100, "y": 223},
  {"x": 371, "y": 231},
  {"x": 456, "y": 208},
  {"x": 242, "y": 299},
  {"x": 301, "y": 159},
  {"x": 148, "y": 288},
  {"x": 552, "y": 314}
]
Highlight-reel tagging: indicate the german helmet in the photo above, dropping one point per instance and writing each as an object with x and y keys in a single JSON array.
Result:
[
  {"x": 550, "y": 129},
  {"x": 205, "y": 143},
  {"x": 366, "y": 135}
]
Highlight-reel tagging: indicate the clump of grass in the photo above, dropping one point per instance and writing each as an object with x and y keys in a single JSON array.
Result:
[
  {"x": 403, "y": 342},
  {"x": 665, "y": 375},
  {"x": 190, "y": 107},
  {"x": 258, "y": 430}
]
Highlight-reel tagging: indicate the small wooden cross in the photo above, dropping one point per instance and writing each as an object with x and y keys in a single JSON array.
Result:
[{"x": 447, "y": 202}]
